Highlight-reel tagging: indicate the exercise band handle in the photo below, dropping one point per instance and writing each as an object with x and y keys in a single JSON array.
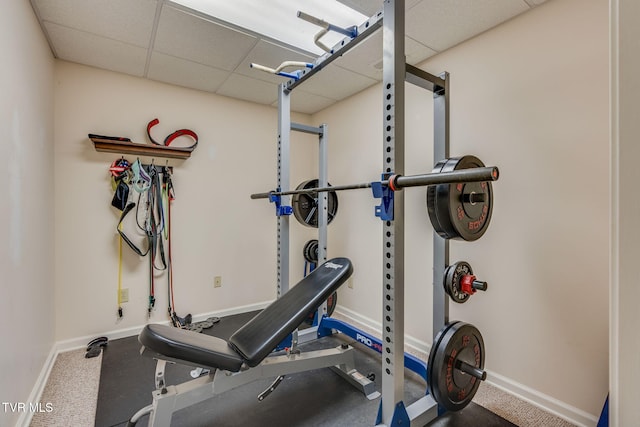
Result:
[{"x": 482, "y": 174}]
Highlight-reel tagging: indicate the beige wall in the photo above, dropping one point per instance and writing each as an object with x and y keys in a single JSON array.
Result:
[
  {"x": 26, "y": 209},
  {"x": 530, "y": 97},
  {"x": 525, "y": 97},
  {"x": 218, "y": 230}
]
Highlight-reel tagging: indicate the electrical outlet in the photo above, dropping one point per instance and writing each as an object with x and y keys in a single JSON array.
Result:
[
  {"x": 124, "y": 295},
  {"x": 350, "y": 282},
  {"x": 217, "y": 282}
]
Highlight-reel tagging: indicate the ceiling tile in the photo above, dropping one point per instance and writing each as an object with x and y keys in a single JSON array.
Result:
[
  {"x": 124, "y": 20},
  {"x": 363, "y": 58},
  {"x": 441, "y": 24},
  {"x": 308, "y": 103},
  {"x": 336, "y": 83},
  {"x": 270, "y": 55},
  {"x": 370, "y": 7},
  {"x": 191, "y": 37},
  {"x": 241, "y": 87},
  {"x": 181, "y": 72},
  {"x": 89, "y": 49},
  {"x": 534, "y": 3},
  {"x": 416, "y": 52},
  {"x": 366, "y": 58}
]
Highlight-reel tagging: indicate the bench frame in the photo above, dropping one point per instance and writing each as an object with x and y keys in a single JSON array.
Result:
[{"x": 169, "y": 399}]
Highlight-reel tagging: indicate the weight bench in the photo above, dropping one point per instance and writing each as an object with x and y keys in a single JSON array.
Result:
[{"x": 243, "y": 358}]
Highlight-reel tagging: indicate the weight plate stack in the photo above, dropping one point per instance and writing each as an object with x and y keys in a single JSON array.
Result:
[
  {"x": 305, "y": 206},
  {"x": 455, "y": 366},
  {"x": 461, "y": 210}
]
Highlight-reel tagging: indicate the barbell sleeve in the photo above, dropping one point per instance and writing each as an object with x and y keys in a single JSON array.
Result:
[
  {"x": 261, "y": 195},
  {"x": 489, "y": 173},
  {"x": 471, "y": 370}
]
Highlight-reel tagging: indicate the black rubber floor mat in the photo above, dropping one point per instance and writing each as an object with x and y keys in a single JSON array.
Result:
[{"x": 314, "y": 398}]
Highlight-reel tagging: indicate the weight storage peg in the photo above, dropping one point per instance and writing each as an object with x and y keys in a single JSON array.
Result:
[{"x": 460, "y": 283}]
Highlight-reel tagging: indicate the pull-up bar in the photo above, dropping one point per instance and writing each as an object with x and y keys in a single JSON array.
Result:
[
  {"x": 286, "y": 64},
  {"x": 326, "y": 27},
  {"x": 397, "y": 182}
]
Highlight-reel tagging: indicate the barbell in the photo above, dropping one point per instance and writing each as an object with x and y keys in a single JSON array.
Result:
[
  {"x": 398, "y": 182},
  {"x": 459, "y": 196}
]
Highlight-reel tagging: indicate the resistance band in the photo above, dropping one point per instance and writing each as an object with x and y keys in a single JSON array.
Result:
[
  {"x": 147, "y": 183},
  {"x": 168, "y": 196},
  {"x": 153, "y": 217},
  {"x": 120, "y": 314}
]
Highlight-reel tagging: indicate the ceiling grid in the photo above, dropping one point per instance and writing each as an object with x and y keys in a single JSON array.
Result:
[{"x": 164, "y": 41}]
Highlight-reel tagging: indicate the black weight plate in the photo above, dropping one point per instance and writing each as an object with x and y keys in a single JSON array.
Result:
[
  {"x": 449, "y": 386},
  {"x": 305, "y": 206},
  {"x": 452, "y": 213},
  {"x": 431, "y": 199},
  {"x": 452, "y": 277},
  {"x": 432, "y": 353},
  {"x": 310, "y": 251},
  {"x": 332, "y": 301}
]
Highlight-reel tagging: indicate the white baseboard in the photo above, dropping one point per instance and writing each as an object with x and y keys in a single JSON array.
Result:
[
  {"x": 36, "y": 393},
  {"x": 366, "y": 322},
  {"x": 534, "y": 397},
  {"x": 550, "y": 404},
  {"x": 80, "y": 342}
]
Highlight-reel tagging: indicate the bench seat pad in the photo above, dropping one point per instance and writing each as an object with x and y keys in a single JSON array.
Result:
[
  {"x": 260, "y": 336},
  {"x": 196, "y": 348}
]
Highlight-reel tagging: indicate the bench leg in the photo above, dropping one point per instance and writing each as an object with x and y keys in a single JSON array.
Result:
[{"x": 359, "y": 381}]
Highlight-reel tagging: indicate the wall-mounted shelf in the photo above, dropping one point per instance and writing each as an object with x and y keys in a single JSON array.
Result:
[{"x": 128, "y": 147}]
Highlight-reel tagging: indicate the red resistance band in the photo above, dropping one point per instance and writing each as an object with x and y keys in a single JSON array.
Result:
[{"x": 169, "y": 139}]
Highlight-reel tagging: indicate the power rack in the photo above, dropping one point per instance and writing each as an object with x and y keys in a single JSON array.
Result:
[{"x": 393, "y": 411}]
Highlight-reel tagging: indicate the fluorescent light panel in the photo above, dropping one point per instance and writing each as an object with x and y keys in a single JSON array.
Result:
[{"x": 278, "y": 19}]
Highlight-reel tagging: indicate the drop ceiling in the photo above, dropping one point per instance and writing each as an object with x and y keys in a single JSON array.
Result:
[{"x": 164, "y": 41}]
